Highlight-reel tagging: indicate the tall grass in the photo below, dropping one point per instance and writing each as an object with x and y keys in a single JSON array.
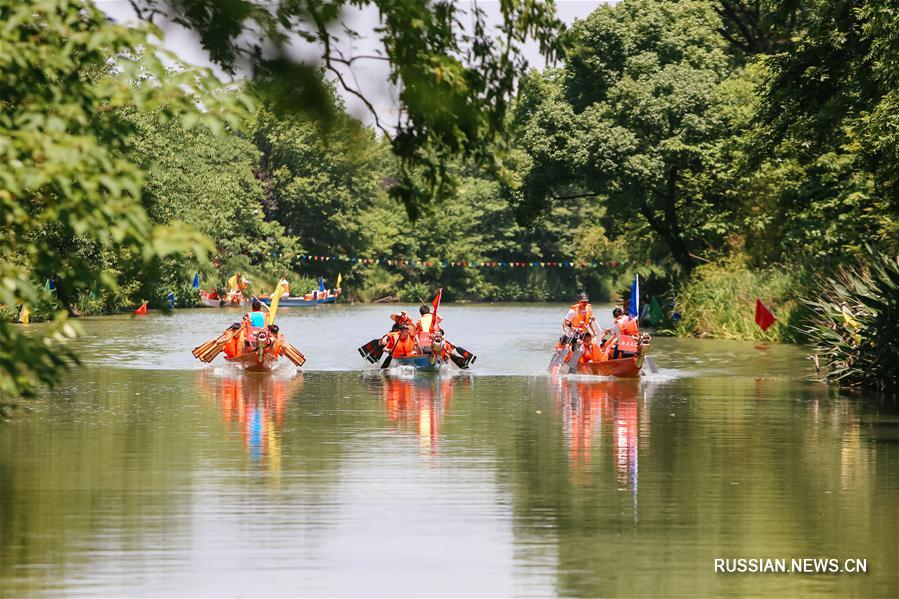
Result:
[
  {"x": 854, "y": 325},
  {"x": 719, "y": 301}
]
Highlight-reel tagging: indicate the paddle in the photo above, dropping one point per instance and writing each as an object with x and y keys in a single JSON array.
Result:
[
  {"x": 209, "y": 350},
  {"x": 576, "y": 354},
  {"x": 559, "y": 356},
  {"x": 467, "y": 358},
  {"x": 372, "y": 351},
  {"x": 387, "y": 360}
]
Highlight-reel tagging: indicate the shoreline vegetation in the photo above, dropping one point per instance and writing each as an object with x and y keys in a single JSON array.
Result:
[{"x": 669, "y": 141}]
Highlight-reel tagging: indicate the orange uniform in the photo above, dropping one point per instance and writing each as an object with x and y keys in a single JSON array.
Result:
[
  {"x": 401, "y": 346},
  {"x": 593, "y": 352},
  {"x": 580, "y": 316},
  {"x": 628, "y": 334}
]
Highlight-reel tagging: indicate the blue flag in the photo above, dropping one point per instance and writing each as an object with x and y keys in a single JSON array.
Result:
[
  {"x": 171, "y": 299},
  {"x": 321, "y": 284},
  {"x": 196, "y": 283},
  {"x": 634, "y": 309}
]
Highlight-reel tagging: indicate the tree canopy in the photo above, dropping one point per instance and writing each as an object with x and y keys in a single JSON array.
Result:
[{"x": 455, "y": 73}]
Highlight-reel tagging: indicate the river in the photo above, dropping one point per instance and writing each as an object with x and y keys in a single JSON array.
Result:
[{"x": 146, "y": 473}]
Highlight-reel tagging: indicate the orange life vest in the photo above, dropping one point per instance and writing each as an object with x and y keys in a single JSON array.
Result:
[
  {"x": 401, "y": 348},
  {"x": 233, "y": 347},
  {"x": 275, "y": 348},
  {"x": 593, "y": 353},
  {"x": 628, "y": 334},
  {"x": 583, "y": 316}
]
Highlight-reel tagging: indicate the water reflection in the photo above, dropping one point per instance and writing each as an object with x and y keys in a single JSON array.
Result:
[
  {"x": 420, "y": 405},
  {"x": 604, "y": 418},
  {"x": 256, "y": 406}
]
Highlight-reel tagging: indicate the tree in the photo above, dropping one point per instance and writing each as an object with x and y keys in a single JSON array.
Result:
[
  {"x": 318, "y": 178},
  {"x": 65, "y": 73},
  {"x": 761, "y": 26},
  {"x": 830, "y": 104},
  {"x": 634, "y": 116},
  {"x": 454, "y": 73}
]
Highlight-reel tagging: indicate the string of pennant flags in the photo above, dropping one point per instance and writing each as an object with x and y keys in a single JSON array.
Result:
[{"x": 462, "y": 263}]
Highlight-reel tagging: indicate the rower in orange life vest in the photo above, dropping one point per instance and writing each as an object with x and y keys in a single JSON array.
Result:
[
  {"x": 626, "y": 341},
  {"x": 401, "y": 343},
  {"x": 579, "y": 319},
  {"x": 593, "y": 351}
]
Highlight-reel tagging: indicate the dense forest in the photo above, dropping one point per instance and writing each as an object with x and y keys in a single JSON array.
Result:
[{"x": 725, "y": 150}]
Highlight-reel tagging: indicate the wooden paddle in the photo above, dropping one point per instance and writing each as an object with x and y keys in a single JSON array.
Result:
[
  {"x": 209, "y": 350},
  {"x": 292, "y": 353}
]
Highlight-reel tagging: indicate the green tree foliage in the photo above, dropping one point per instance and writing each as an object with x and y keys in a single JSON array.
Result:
[
  {"x": 318, "y": 177},
  {"x": 454, "y": 72},
  {"x": 830, "y": 103},
  {"x": 66, "y": 195},
  {"x": 208, "y": 180},
  {"x": 761, "y": 26},
  {"x": 635, "y": 116}
]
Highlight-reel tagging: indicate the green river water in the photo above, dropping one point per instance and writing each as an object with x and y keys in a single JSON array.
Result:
[{"x": 145, "y": 473}]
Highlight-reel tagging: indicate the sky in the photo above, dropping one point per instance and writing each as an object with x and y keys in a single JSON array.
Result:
[{"x": 370, "y": 77}]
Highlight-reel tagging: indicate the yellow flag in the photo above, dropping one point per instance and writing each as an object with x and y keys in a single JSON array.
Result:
[
  {"x": 339, "y": 278},
  {"x": 24, "y": 315},
  {"x": 232, "y": 283},
  {"x": 276, "y": 298}
]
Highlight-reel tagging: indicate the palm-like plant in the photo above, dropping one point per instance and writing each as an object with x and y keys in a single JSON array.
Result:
[{"x": 855, "y": 325}]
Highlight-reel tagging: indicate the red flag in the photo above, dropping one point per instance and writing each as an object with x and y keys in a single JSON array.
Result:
[
  {"x": 436, "y": 304},
  {"x": 763, "y": 316},
  {"x": 142, "y": 309}
]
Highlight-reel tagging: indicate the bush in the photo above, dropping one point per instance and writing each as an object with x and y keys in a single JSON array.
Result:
[
  {"x": 854, "y": 325},
  {"x": 719, "y": 301}
]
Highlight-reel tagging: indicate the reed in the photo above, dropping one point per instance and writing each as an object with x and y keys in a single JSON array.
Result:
[{"x": 719, "y": 301}]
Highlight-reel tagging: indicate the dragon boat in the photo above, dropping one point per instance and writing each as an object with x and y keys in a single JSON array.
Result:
[
  {"x": 253, "y": 349},
  {"x": 626, "y": 368},
  {"x": 329, "y": 296},
  {"x": 629, "y": 367},
  {"x": 232, "y": 299},
  {"x": 421, "y": 363}
]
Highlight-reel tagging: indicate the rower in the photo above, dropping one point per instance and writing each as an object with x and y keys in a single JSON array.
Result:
[
  {"x": 626, "y": 334},
  {"x": 401, "y": 343},
  {"x": 255, "y": 318},
  {"x": 593, "y": 352}
]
